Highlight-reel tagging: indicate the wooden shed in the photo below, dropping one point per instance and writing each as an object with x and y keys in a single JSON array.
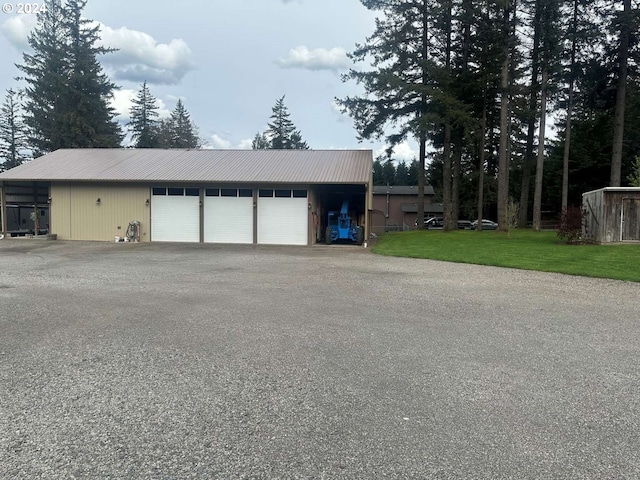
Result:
[{"x": 612, "y": 215}]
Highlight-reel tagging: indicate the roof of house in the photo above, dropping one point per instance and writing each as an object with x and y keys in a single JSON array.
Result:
[
  {"x": 431, "y": 208},
  {"x": 401, "y": 190},
  {"x": 179, "y": 165}
]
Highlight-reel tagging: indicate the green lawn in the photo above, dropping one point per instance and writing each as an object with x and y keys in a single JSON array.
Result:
[{"x": 523, "y": 249}]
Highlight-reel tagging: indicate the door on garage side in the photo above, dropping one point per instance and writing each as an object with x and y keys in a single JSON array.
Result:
[
  {"x": 283, "y": 217},
  {"x": 630, "y": 219},
  {"x": 228, "y": 215},
  {"x": 175, "y": 214}
]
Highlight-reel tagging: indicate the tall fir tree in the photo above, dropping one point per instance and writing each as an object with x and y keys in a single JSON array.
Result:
[
  {"x": 67, "y": 93},
  {"x": 143, "y": 122},
  {"x": 13, "y": 138},
  {"x": 282, "y": 133},
  {"x": 260, "y": 142},
  {"x": 184, "y": 132},
  {"x": 399, "y": 87}
]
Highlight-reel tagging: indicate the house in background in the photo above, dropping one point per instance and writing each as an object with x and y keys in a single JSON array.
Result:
[{"x": 396, "y": 207}]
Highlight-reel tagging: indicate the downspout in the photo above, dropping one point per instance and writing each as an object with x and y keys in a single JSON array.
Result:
[
  {"x": 3, "y": 209},
  {"x": 387, "y": 214}
]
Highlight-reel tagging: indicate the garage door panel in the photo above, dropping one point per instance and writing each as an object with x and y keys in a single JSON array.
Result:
[
  {"x": 175, "y": 219},
  {"x": 283, "y": 221},
  {"x": 228, "y": 220}
]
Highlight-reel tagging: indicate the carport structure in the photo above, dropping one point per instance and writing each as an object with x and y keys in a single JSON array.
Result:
[{"x": 207, "y": 196}]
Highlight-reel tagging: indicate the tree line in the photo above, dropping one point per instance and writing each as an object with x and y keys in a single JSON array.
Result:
[
  {"x": 475, "y": 83},
  {"x": 65, "y": 101}
]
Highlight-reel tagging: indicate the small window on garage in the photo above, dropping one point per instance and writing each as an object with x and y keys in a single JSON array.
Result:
[
  {"x": 159, "y": 191},
  {"x": 192, "y": 192},
  {"x": 299, "y": 194},
  {"x": 265, "y": 193},
  {"x": 245, "y": 192},
  {"x": 229, "y": 192},
  {"x": 283, "y": 193},
  {"x": 176, "y": 192},
  {"x": 212, "y": 192}
]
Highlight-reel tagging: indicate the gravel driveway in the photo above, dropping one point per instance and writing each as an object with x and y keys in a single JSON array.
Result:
[{"x": 163, "y": 361}]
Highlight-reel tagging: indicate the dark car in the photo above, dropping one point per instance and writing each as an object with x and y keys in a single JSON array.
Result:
[{"x": 437, "y": 223}]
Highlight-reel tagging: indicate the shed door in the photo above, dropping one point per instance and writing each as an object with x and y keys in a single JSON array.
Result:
[
  {"x": 228, "y": 215},
  {"x": 631, "y": 219},
  {"x": 283, "y": 217},
  {"x": 175, "y": 214}
]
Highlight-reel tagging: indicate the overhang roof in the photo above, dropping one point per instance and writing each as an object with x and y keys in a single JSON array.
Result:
[
  {"x": 401, "y": 190},
  {"x": 179, "y": 165}
]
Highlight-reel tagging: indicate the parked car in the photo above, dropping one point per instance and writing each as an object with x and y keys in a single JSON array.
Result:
[
  {"x": 486, "y": 225},
  {"x": 437, "y": 223}
]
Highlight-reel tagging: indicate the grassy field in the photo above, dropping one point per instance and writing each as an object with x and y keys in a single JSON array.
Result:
[{"x": 524, "y": 249}]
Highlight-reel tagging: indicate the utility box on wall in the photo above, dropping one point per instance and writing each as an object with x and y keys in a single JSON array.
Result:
[{"x": 612, "y": 215}]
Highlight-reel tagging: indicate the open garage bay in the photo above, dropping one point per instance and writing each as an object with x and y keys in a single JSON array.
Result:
[{"x": 167, "y": 361}]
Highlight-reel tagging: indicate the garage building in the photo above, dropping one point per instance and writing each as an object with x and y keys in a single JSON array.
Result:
[{"x": 276, "y": 197}]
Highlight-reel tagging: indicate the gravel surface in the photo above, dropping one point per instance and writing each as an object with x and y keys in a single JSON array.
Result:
[{"x": 164, "y": 361}]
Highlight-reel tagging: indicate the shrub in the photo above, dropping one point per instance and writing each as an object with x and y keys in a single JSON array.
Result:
[{"x": 572, "y": 221}]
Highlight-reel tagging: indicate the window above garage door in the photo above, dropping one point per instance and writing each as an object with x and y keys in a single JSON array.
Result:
[
  {"x": 282, "y": 193},
  {"x": 176, "y": 191},
  {"x": 229, "y": 192}
]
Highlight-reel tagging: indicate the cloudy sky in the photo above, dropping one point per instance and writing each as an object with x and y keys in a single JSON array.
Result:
[{"x": 229, "y": 60}]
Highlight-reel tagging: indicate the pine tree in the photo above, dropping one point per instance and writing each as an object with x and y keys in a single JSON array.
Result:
[
  {"x": 183, "y": 131},
  {"x": 260, "y": 142},
  {"x": 67, "y": 93},
  {"x": 143, "y": 123},
  {"x": 282, "y": 133},
  {"x": 399, "y": 87},
  {"x": 13, "y": 138}
]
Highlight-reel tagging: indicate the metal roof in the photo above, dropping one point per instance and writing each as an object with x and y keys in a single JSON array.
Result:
[
  {"x": 401, "y": 190},
  {"x": 179, "y": 165}
]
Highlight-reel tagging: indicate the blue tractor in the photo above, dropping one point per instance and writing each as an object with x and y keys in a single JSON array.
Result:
[{"x": 341, "y": 227}]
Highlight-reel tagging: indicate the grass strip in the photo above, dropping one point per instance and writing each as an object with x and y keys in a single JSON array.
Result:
[{"x": 523, "y": 249}]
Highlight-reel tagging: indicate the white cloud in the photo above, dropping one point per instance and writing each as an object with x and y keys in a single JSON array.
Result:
[
  {"x": 334, "y": 59},
  {"x": 402, "y": 151},
  {"x": 17, "y": 28},
  {"x": 140, "y": 57},
  {"x": 246, "y": 144},
  {"x": 217, "y": 142}
]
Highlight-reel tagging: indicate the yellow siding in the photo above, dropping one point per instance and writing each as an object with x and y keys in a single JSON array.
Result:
[{"x": 76, "y": 214}]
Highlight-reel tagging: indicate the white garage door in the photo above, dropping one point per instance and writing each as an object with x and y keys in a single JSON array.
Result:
[
  {"x": 228, "y": 215},
  {"x": 283, "y": 217},
  {"x": 175, "y": 214}
]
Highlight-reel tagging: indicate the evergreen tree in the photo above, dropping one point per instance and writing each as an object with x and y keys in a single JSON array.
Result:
[
  {"x": 378, "y": 177},
  {"x": 388, "y": 173},
  {"x": 402, "y": 174},
  {"x": 282, "y": 133},
  {"x": 260, "y": 142},
  {"x": 179, "y": 129},
  {"x": 13, "y": 138},
  {"x": 399, "y": 88},
  {"x": 67, "y": 93},
  {"x": 143, "y": 123}
]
